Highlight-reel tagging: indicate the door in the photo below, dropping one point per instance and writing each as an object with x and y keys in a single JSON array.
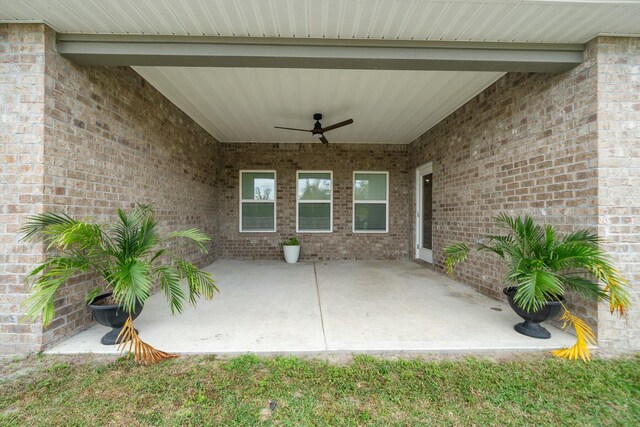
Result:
[{"x": 424, "y": 213}]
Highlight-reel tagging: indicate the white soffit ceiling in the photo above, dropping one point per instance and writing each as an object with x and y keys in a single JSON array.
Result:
[
  {"x": 244, "y": 104},
  {"x": 554, "y": 21}
]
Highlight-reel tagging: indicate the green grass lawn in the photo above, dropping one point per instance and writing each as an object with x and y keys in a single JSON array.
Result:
[{"x": 522, "y": 390}]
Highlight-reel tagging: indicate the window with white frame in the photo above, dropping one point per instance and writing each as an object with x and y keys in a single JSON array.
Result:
[
  {"x": 370, "y": 202},
  {"x": 257, "y": 201},
  {"x": 314, "y": 207}
]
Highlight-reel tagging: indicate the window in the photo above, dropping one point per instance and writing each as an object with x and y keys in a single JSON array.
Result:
[
  {"x": 370, "y": 202},
  {"x": 257, "y": 201},
  {"x": 314, "y": 207}
]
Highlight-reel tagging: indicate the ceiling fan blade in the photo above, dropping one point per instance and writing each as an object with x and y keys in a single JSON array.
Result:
[
  {"x": 337, "y": 125},
  {"x": 324, "y": 140},
  {"x": 301, "y": 130}
]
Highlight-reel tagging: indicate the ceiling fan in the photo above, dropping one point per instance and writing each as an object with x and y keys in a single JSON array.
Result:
[{"x": 318, "y": 131}]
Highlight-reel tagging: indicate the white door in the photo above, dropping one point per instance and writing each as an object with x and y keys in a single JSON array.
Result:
[{"x": 424, "y": 212}]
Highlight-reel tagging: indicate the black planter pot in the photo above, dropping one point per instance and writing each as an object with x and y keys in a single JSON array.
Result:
[
  {"x": 112, "y": 316},
  {"x": 531, "y": 325}
]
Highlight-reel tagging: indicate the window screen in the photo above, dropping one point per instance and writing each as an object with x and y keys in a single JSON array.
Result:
[
  {"x": 257, "y": 201},
  {"x": 315, "y": 201},
  {"x": 370, "y": 202}
]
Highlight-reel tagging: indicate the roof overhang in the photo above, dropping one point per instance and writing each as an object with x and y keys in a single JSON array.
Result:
[
  {"x": 194, "y": 51},
  {"x": 527, "y": 21}
]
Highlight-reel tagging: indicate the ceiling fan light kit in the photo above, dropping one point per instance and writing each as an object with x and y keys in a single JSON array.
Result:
[{"x": 318, "y": 131}]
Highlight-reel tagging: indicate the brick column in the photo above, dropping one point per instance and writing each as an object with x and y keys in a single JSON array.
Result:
[
  {"x": 22, "y": 82},
  {"x": 618, "y": 65}
]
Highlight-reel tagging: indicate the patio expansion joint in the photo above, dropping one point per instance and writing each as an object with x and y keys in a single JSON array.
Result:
[{"x": 324, "y": 335}]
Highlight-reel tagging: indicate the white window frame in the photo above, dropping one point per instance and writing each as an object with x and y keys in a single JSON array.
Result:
[
  {"x": 274, "y": 201},
  {"x": 298, "y": 201},
  {"x": 386, "y": 202}
]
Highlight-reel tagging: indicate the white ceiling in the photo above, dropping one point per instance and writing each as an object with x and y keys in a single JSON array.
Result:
[
  {"x": 555, "y": 21},
  {"x": 244, "y": 104}
]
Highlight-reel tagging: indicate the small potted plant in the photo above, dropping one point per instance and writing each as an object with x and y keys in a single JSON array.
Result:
[
  {"x": 540, "y": 265},
  {"x": 127, "y": 257},
  {"x": 291, "y": 249}
]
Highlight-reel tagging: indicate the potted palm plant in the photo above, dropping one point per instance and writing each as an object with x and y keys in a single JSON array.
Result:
[
  {"x": 541, "y": 265},
  {"x": 129, "y": 257},
  {"x": 291, "y": 248}
]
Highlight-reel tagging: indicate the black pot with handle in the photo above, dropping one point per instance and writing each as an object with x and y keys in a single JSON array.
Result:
[{"x": 113, "y": 316}]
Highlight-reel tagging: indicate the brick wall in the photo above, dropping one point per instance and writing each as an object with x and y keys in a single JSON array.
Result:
[
  {"x": 618, "y": 64},
  {"x": 22, "y": 93},
  {"x": 286, "y": 159},
  {"x": 526, "y": 145},
  {"x": 103, "y": 139}
]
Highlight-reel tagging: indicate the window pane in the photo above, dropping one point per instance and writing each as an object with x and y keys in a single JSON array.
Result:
[
  {"x": 427, "y": 211},
  {"x": 371, "y": 186},
  {"x": 314, "y": 216},
  {"x": 370, "y": 216},
  {"x": 258, "y": 186},
  {"x": 314, "y": 186},
  {"x": 257, "y": 216}
]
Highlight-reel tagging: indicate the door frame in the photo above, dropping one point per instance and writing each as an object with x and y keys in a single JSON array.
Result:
[{"x": 420, "y": 172}]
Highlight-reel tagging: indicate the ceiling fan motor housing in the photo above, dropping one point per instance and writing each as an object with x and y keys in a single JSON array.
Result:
[{"x": 317, "y": 128}]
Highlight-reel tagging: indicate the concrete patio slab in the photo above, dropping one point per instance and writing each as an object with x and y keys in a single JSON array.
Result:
[
  {"x": 391, "y": 306},
  {"x": 337, "y": 306},
  {"x": 262, "y": 307}
]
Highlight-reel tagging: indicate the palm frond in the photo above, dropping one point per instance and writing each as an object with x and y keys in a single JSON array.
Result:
[
  {"x": 568, "y": 255},
  {"x": 551, "y": 239},
  {"x": 193, "y": 235},
  {"x": 93, "y": 294},
  {"x": 616, "y": 286},
  {"x": 81, "y": 236},
  {"x": 503, "y": 220},
  {"x": 455, "y": 253},
  {"x": 146, "y": 237},
  {"x": 132, "y": 283},
  {"x": 170, "y": 283},
  {"x": 121, "y": 231},
  {"x": 36, "y": 224},
  {"x": 140, "y": 211},
  {"x": 501, "y": 245},
  {"x": 200, "y": 282},
  {"x": 135, "y": 233},
  {"x": 61, "y": 231},
  {"x": 143, "y": 353},
  {"x": 584, "y": 286},
  {"x": 157, "y": 255},
  {"x": 583, "y": 236},
  {"x": 55, "y": 272},
  {"x": 584, "y": 338},
  {"x": 536, "y": 288},
  {"x": 532, "y": 237}
]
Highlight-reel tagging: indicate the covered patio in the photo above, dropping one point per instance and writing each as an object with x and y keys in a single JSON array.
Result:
[
  {"x": 439, "y": 115},
  {"x": 332, "y": 306}
]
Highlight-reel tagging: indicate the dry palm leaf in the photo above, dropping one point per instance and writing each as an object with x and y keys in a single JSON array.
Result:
[
  {"x": 584, "y": 338},
  {"x": 142, "y": 352}
]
